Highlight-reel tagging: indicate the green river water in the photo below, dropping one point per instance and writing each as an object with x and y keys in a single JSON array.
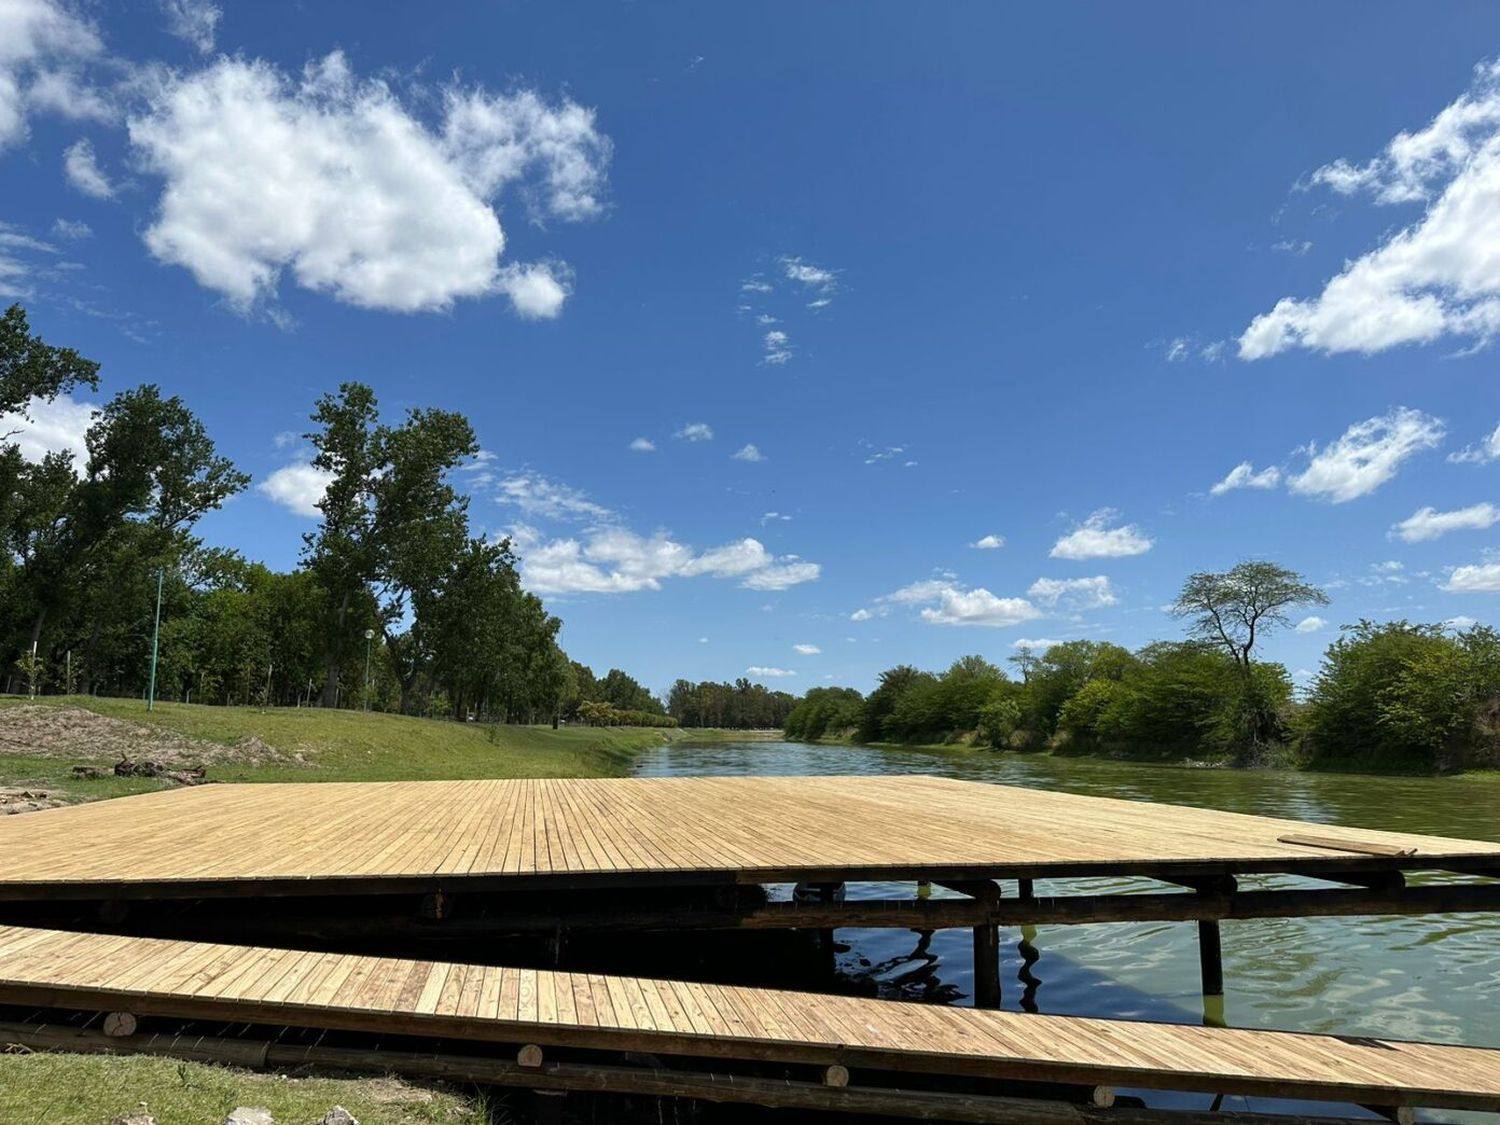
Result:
[{"x": 1431, "y": 978}]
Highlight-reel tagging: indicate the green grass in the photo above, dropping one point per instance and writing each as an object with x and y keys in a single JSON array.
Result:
[
  {"x": 65, "y": 1089},
  {"x": 345, "y": 746}
]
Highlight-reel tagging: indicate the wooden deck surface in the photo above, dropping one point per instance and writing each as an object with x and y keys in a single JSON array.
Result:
[
  {"x": 749, "y": 829},
  {"x": 91, "y": 972}
]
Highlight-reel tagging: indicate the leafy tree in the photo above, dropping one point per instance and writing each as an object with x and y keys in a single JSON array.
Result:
[
  {"x": 30, "y": 368},
  {"x": 1235, "y": 609},
  {"x": 824, "y": 710}
]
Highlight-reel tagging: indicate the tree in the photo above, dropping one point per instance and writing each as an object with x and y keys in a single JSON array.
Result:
[
  {"x": 30, "y": 368},
  {"x": 1235, "y": 609}
]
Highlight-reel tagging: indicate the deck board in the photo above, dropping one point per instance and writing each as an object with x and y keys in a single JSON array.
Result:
[
  {"x": 343, "y": 991},
  {"x": 337, "y": 835}
]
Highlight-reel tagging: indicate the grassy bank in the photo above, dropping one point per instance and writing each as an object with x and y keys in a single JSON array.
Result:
[
  {"x": 65, "y": 1089},
  {"x": 291, "y": 744}
]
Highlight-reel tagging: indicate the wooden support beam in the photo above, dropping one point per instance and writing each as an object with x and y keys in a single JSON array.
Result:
[
  {"x": 986, "y": 967},
  {"x": 1211, "y": 966},
  {"x": 700, "y": 1085}
]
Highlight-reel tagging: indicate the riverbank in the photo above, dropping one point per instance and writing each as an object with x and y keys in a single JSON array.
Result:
[{"x": 41, "y": 742}]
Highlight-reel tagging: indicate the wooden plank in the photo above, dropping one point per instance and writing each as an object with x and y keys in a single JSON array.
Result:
[
  {"x": 150, "y": 976},
  {"x": 384, "y": 837}
]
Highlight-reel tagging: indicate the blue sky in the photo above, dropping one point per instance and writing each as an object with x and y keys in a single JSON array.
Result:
[{"x": 934, "y": 273}]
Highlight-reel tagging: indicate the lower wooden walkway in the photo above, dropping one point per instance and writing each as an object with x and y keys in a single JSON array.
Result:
[{"x": 91, "y": 972}]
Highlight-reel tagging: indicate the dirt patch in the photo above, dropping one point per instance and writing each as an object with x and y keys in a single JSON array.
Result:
[
  {"x": 13, "y": 800},
  {"x": 79, "y": 735}
]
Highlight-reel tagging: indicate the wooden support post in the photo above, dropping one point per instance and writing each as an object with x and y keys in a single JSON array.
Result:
[
  {"x": 986, "y": 966},
  {"x": 1026, "y": 889},
  {"x": 836, "y": 1075},
  {"x": 118, "y": 1025},
  {"x": 1211, "y": 966},
  {"x": 1400, "y": 1114},
  {"x": 529, "y": 1056}
]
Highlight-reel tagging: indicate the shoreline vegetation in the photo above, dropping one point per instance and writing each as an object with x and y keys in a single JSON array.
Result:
[{"x": 1390, "y": 697}]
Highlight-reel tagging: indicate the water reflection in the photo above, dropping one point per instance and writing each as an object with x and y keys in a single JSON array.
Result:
[{"x": 1429, "y": 978}]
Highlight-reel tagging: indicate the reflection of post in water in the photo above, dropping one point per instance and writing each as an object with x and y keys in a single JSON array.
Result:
[
  {"x": 1030, "y": 955},
  {"x": 823, "y": 939}
]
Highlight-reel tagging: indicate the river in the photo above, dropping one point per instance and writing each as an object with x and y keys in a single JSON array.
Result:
[{"x": 1431, "y": 978}]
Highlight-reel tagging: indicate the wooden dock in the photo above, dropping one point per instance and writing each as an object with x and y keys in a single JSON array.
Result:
[
  {"x": 336, "y": 838},
  {"x": 79, "y": 972}
]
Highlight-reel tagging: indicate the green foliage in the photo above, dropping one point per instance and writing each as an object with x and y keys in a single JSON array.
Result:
[
  {"x": 621, "y": 691},
  {"x": 742, "y": 705},
  {"x": 823, "y": 711},
  {"x": 30, "y": 368},
  {"x": 1062, "y": 672},
  {"x": 602, "y": 714},
  {"x": 1408, "y": 697}
]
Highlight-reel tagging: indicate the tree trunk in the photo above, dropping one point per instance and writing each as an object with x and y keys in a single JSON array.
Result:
[{"x": 331, "y": 667}]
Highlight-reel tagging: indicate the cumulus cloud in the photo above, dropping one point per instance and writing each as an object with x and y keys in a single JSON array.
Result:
[
  {"x": 1073, "y": 593},
  {"x": 1429, "y": 523},
  {"x": 643, "y": 445},
  {"x": 81, "y": 167},
  {"x": 748, "y": 452},
  {"x": 1367, "y": 455},
  {"x": 43, "y": 427},
  {"x": 1479, "y": 578},
  {"x": 1486, "y": 451},
  {"x": 1244, "y": 475},
  {"x": 1311, "y": 624},
  {"x": 1096, "y": 538},
  {"x": 616, "y": 560},
  {"x": 696, "y": 431},
  {"x": 807, "y": 650},
  {"x": 193, "y": 21},
  {"x": 297, "y": 487},
  {"x": 989, "y": 543},
  {"x": 536, "y": 495},
  {"x": 1436, "y": 277},
  {"x": 1460, "y": 622},
  {"x": 1036, "y": 644},
  {"x": 36, "y": 36},
  {"x": 763, "y": 672},
  {"x": 334, "y": 181},
  {"x": 945, "y": 602}
]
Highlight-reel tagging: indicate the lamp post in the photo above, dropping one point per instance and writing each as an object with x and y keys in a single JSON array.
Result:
[{"x": 369, "y": 636}]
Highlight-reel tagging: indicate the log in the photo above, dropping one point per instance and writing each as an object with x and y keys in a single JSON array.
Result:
[
  {"x": 119, "y": 1025},
  {"x": 529, "y": 1056},
  {"x": 836, "y": 1075},
  {"x": 699, "y": 1085}
]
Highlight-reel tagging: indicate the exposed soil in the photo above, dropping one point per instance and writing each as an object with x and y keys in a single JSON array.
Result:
[
  {"x": 14, "y": 800},
  {"x": 82, "y": 736}
]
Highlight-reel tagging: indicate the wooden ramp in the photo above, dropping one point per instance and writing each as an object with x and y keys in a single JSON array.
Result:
[
  {"x": 90, "y": 972},
  {"x": 394, "y": 836}
]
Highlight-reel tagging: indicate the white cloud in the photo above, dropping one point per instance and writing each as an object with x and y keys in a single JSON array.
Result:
[
  {"x": 614, "y": 560},
  {"x": 1037, "y": 644},
  {"x": 756, "y": 284},
  {"x": 776, "y": 348},
  {"x": 1244, "y": 475},
  {"x": 1367, "y": 455},
  {"x": 807, "y": 650},
  {"x": 763, "y": 672},
  {"x": 83, "y": 171},
  {"x": 1094, "y": 538},
  {"x": 297, "y": 487},
  {"x": 73, "y": 230},
  {"x": 335, "y": 181},
  {"x": 696, "y": 431},
  {"x": 1073, "y": 593},
  {"x": 1178, "y": 349},
  {"x": 823, "y": 282},
  {"x": 945, "y": 602},
  {"x": 1429, "y": 523},
  {"x": 1460, "y": 623},
  {"x": 537, "y": 495},
  {"x": 1486, "y": 451},
  {"x": 989, "y": 543},
  {"x": 748, "y": 452},
  {"x": 66, "y": 91},
  {"x": 1439, "y": 276},
  {"x": 1311, "y": 624},
  {"x": 34, "y": 36},
  {"x": 1292, "y": 246},
  {"x": 193, "y": 21},
  {"x": 46, "y": 427},
  {"x": 1480, "y": 578},
  {"x": 643, "y": 445},
  {"x": 537, "y": 290}
]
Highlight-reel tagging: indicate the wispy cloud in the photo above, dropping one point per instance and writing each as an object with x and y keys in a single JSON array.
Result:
[
  {"x": 535, "y": 495},
  {"x": 748, "y": 452},
  {"x": 1366, "y": 456},
  {"x": 643, "y": 445},
  {"x": 1429, "y": 523},
  {"x": 1244, "y": 475},
  {"x": 695, "y": 431}
]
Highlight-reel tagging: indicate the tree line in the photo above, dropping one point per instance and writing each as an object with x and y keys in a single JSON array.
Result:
[
  {"x": 1394, "y": 696},
  {"x": 393, "y": 589},
  {"x": 742, "y": 705}
]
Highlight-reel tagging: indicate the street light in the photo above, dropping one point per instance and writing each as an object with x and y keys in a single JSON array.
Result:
[{"x": 369, "y": 636}]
